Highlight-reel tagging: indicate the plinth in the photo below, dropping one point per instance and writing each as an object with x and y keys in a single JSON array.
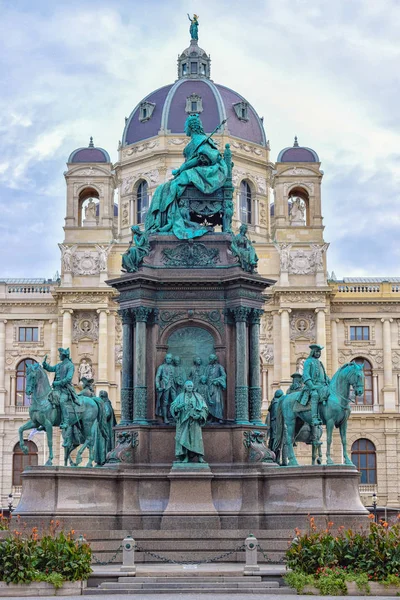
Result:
[{"x": 190, "y": 503}]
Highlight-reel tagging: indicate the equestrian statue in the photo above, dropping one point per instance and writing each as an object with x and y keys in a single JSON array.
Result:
[
  {"x": 83, "y": 420},
  {"x": 321, "y": 401}
]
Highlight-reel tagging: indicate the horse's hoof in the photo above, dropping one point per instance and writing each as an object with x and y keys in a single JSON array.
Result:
[
  {"x": 349, "y": 462},
  {"x": 89, "y": 464},
  {"x": 329, "y": 461},
  {"x": 25, "y": 449},
  {"x": 319, "y": 461},
  {"x": 49, "y": 463}
]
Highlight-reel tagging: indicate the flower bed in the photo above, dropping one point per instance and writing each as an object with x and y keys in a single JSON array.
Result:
[
  {"x": 54, "y": 557},
  {"x": 345, "y": 561}
]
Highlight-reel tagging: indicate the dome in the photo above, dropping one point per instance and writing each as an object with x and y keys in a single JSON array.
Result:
[
  {"x": 91, "y": 154},
  {"x": 297, "y": 154},
  {"x": 167, "y": 108}
]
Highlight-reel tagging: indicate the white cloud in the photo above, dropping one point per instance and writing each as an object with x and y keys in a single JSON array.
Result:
[{"x": 324, "y": 71}]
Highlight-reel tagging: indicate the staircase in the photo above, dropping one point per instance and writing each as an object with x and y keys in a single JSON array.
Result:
[{"x": 254, "y": 584}]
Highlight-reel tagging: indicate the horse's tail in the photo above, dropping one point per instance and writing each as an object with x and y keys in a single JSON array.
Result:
[
  {"x": 279, "y": 428},
  {"x": 101, "y": 417}
]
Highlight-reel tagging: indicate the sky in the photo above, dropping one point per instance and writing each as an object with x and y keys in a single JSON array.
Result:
[{"x": 326, "y": 71}]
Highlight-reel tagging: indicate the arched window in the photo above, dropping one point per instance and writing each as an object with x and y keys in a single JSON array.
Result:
[
  {"x": 142, "y": 201},
  {"x": 21, "y": 461},
  {"x": 368, "y": 397},
  {"x": 21, "y": 399},
  {"x": 363, "y": 455},
  {"x": 245, "y": 203},
  {"x": 88, "y": 207}
]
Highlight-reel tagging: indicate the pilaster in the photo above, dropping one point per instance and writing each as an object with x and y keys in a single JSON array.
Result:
[
  {"x": 389, "y": 390},
  {"x": 142, "y": 314},
  {"x": 67, "y": 328},
  {"x": 127, "y": 367},
  {"x": 240, "y": 315},
  {"x": 321, "y": 331},
  {"x": 255, "y": 396},
  {"x": 285, "y": 346},
  {"x": 2, "y": 364}
]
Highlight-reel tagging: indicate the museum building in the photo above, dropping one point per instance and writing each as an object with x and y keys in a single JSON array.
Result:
[{"x": 282, "y": 202}]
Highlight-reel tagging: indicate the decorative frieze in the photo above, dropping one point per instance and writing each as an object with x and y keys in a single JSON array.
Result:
[{"x": 139, "y": 149}]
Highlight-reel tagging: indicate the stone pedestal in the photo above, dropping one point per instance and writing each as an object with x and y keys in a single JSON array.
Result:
[{"x": 190, "y": 503}]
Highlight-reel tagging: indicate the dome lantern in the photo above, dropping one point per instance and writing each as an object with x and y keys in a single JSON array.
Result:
[{"x": 194, "y": 62}]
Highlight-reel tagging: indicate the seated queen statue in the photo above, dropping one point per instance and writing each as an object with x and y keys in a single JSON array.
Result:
[{"x": 204, "y": 167}]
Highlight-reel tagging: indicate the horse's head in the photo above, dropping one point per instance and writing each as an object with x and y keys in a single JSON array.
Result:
[
  {"x": 32, "y": 372},
  {"x": 357, "y": 378}
]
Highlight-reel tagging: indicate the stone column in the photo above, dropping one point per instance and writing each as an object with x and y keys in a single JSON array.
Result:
[
  {"x": 334, "y": 346},
  {"x": 264, "y": 385},
  {"x": 375, "y": 392},
  {"x": 255, "y": 366},
  {"x": 127, "y": 367},
  {"x": 321, "y": 332},
  {"x": 53, "y": 342},
  {"x": 240, "y": 315},
  {"x": 142, "y": 315},
  {"x": 111, "y": 347},
  {"x": 277, "y": 348},
  {"x": 389, "y": 390},
  {"x": 285, "y": 347},
  {"x": 2, "y": 364},
  {"x": 13, "y": 381},
  {"x": 67, "y": 328},
  {"x": 103, "y": 345}
]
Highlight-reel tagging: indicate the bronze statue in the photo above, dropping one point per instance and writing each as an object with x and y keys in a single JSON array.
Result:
[
  {"x": 63, "y": 391},
  {"x": 165, "y": 387},
  {"x": 316, "y": 382},
  {"x": 216, "y": 380},
  {"x": 189, "y": 411}
]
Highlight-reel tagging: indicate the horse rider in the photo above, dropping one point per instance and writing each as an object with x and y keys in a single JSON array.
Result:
[
  {"x": 297, "y": 383},
  {"x": 62, "y": 384},
  {"x": 315, "y": 382}
]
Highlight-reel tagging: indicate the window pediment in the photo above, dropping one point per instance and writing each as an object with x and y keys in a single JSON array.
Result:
[
  {"x": 194, "y": 104},
  {"x": 242, "y": 111},
  {"x": 146, "y": 110}
]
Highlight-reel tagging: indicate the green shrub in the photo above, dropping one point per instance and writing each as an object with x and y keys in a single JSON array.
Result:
[
  {"x": 373, "y": 551},
  {"x": 54, "y": 557}
]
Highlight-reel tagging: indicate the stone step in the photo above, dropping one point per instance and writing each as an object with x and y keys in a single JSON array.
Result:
[
  {"x": 282, "y": 591},
  {"x": 178, "y": 579},
  {"x": 184, "y": 584}
]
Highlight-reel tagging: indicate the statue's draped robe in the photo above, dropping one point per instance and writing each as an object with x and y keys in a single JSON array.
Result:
[
  {"x": 216, "y": 381},
  {"x": 190, "y": 415},
  {"x": 133, "y": 257},
  {"x": 164, "y": 214},
  {"x": 243, "y": 249},
  {"x": 313, "y": 371}
]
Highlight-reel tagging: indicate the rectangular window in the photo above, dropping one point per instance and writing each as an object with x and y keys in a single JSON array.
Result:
[
  {"x": 359, "y": 333},
  {"x": 184, "y": 69},
  {"x": 194, "y": 106},
  {"x": 28, "y": 334},
  {"x": 203, "y": 68},
  {"x": 193, "y": 67}
]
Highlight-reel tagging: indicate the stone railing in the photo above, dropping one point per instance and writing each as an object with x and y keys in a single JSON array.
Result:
[
  {"x": 359, "y": 289},
  {"x": 367, "y": 488},
  {"x": 362, "y": 408},
  {"x": 22, "y": 289}
]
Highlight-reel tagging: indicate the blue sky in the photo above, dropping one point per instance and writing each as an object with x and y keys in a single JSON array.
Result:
[{"x": 326, "y": 71}]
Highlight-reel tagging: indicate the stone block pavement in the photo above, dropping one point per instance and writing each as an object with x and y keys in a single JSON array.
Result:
[{"x": 194, "y": 596}]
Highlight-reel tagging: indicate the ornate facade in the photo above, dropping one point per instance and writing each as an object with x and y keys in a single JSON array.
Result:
[{"x": 282, "y": 204}]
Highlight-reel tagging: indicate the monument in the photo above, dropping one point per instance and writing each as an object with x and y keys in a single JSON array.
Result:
[{"x": 191, "y": 454}]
